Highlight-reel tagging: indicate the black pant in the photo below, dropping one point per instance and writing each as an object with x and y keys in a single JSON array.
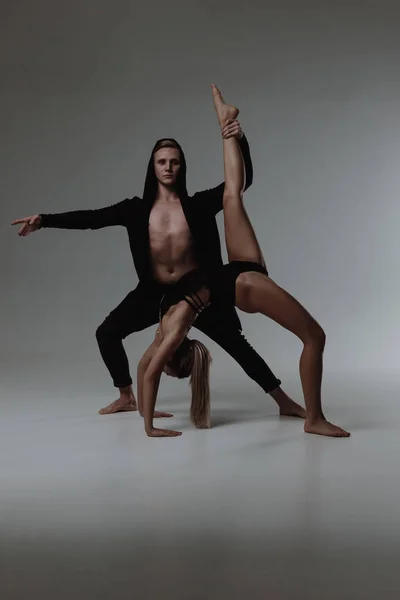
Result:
[{"x": 140, "y": 309}]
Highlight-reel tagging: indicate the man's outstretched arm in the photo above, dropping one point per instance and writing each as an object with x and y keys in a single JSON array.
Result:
[{"x": 76, "y": 219}]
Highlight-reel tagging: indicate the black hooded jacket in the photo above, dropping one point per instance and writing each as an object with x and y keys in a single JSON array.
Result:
[{"x": 133, "y": 213}]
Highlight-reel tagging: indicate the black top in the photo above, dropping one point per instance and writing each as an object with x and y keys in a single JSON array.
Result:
[{"x": 133, "y": 213}]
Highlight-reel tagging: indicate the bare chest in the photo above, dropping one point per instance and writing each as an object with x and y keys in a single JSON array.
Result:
[{"x": 168, "y": 220}]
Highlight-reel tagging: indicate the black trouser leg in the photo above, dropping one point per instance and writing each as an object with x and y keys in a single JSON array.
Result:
[
  {"x": 137, "y": 311},
  {"x": 219, "y": 324}
]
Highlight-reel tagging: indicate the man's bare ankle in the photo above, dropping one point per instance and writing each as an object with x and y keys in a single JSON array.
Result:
[
  {"x": 126, "y": 393},
  {"x": 313, "y": 418}
]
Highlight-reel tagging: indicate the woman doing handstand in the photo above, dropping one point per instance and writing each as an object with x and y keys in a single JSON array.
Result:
[{"x": 245, "y": 281}]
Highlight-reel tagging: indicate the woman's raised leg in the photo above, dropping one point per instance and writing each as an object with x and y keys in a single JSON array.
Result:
[
  {"x": 241, "y": 241},
  {"x": 256, "y": 292}
]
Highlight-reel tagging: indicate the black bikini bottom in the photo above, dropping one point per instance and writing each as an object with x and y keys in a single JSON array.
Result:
[
  {"x": 186, "y": 288},
  {"x": 221, "y": 282}
]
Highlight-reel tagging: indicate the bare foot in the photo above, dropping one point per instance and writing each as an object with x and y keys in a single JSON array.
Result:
[
  {"x": 323, "y": 427},
  {"x": 287, "y": 406},
  {"x": 225, "y": 112},
  {"x": 123, "y": 404},
  {"x": 290, "y": 408}
]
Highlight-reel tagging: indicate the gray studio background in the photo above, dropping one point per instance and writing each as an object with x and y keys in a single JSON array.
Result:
[
  {"x": 86, "y": 89},
  {"x": 90, "y": 507}
]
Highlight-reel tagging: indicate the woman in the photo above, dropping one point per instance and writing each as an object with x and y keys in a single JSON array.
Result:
[{"x": 246, "y": 283}]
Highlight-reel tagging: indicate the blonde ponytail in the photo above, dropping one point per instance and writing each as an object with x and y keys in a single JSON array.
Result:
[{"x": 200, "y": 384}]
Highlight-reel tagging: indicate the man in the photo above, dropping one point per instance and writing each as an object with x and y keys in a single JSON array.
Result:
[{"x": 169, "y": 233}]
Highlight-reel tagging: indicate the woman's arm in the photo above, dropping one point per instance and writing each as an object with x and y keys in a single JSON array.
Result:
[
  {"x": 141, "y": 370},
  {"x": 151, "y": 381}
]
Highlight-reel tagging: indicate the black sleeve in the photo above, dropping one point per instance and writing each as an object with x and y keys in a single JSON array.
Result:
[
  {"x": 248, "y": 164},
  {"x": 213, "y": 197},
  {"x": 89, "y": 219}
]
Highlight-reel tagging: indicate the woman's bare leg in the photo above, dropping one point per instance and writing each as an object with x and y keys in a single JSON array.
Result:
[
  {"x": 256, "y": 292},
  {"x": 241, "y": 241}
]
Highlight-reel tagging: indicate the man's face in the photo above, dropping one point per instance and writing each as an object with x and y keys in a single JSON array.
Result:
[{"x": 166, "y": 165}]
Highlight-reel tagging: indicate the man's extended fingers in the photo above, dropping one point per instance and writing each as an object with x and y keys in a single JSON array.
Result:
[
  {"x": 25, "y": 230},
  {"x": 17, "y": 221},
  {"x": 231, "y": 129},
  {"x": 230, "y": 123},
  {"x": 231, "y": 134}
]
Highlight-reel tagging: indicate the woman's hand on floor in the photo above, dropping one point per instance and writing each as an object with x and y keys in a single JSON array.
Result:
[
  {"x": 159, "y": 414},
  {"x": 163, "y": 433}
]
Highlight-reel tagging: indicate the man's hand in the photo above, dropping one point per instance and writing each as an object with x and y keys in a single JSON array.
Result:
[
  {"x": 30, "y": 224},
  {"x": 162, "y": 433},
  {"x": 232, "y": 128}
]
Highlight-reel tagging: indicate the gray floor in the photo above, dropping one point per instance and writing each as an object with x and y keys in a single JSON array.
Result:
[{"x": 92, "y": 508}]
